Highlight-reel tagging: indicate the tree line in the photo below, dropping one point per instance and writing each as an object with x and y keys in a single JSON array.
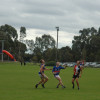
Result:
[{"x": 84, "y": 46}]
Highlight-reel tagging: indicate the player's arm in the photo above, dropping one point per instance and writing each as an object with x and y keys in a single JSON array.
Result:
[
  {"x": 48, "y": 68},
  {"x": 65, "y": 66}
]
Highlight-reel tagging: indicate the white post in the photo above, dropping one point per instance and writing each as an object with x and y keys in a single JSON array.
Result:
[{"x": 57, "y": 44}]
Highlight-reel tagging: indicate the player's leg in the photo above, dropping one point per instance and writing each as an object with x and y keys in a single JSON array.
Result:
[
  {"x": 58, "y": 85},
  {"x": 60, "y": 81},
  {"x": 73, "y": 82},
  {"x": 77, "y": 83},
  {"x": 41, "y": 81},
  {"x": 45, "y": 80}
]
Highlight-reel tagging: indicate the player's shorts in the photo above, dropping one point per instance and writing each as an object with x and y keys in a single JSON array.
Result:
[
  {"x": 56, "y": 76},
  {"x": 75, "y": 76},
  {"x": 43, "y": 76}
]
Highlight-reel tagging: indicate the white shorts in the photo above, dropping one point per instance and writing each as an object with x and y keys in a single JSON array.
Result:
[
  {"x": 56, "y": 76},
  {"x": 43, "y": 76}
]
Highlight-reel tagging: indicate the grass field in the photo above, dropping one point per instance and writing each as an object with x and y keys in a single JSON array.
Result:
[{"x": 17, "y": 83}]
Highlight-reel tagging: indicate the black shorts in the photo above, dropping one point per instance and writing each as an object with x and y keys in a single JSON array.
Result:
[{"x": 76, "y": 76}]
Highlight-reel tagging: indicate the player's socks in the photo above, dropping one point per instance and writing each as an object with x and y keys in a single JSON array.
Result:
[
  {"x": 43, "y": 86},
  {"x": 73, "y": 86},
  {"x": 78, "y": 88},
  {"x": 57, "y": 86},
  {"x": 63, "y": 86},
  {"x": 36, "y": 85}
]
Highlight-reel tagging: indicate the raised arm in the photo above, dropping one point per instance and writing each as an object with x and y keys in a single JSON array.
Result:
[{"x": 64, "y": 66}]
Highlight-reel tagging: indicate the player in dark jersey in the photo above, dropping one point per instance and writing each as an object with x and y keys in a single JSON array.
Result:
[
  {"x": 56, "y": 71},
  {"x": 77, "y": 73},
  {"x": 43, "y": 77}
]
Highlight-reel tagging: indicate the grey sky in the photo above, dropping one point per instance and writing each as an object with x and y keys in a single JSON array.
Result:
[{"x": 69, "y": 15}]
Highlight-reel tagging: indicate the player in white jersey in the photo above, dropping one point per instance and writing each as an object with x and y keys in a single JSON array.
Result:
[{"x": 77, "y": 74}]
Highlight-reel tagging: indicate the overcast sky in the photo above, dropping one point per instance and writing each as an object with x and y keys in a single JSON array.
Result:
[{"x": 42, "y": 16}]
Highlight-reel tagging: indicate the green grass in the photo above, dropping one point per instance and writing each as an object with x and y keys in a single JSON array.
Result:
[{"x": 17, "y": 83}]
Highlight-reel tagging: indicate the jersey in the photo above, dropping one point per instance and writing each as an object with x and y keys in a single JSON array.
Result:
[
  {"x": 76, "y": 70},
  {"x": 42, "y": 68},
  {"x": 57, "y": 70}
]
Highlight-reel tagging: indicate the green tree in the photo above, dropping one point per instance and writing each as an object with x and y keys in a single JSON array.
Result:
[
  {"x": 9, "y": 31},
  {"x": 65, "y": 54},
  {"x": 22, "y": 33},
  {"x": 48, "y": 42},
  {"x": 30, "y": 45},
  {"x": 21, "y": 45},
  {"x": 97, "y": 57},
  {"x": 98, "y": 32},
  {"x": 38, "y": 43},
  {"x": 85, "y": 45},
  {"x": 37, "y": 52},
  {"x": 45, "y": 42},
  {"x": 11, "y": 44}
]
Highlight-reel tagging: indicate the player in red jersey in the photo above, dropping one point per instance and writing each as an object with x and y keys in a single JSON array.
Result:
[{"x": 77, "y": 73}]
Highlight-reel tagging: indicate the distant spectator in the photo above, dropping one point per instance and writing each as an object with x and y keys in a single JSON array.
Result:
[
  {"x": 21, "y": 63},
  {"x": 24, "y": 63}
]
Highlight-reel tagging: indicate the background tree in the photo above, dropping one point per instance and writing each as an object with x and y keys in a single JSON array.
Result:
[
  {"x": 86, "y": 45},
  {"x": 22, "y": 33},
  {"x": 9, "y": 31},
  {"x": 38, "y": 54},
  {"x": 45, "y": 42},
  {"x": 50, "y": 54},
  {"x": 30, "y": 45},
  {"x": 22, "y": 36},
  {"x": 9, "y": 34},
  {"x": 65, "y": 54},
  {"x": 38, "y": 43},
  {"x": 48, "y": 42}
]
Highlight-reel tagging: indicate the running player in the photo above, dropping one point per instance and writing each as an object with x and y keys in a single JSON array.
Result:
[
  {"x": 77, "y": 73},
  {"x": 56, "y": 71},
  {"x": 43, "y": 77}
]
